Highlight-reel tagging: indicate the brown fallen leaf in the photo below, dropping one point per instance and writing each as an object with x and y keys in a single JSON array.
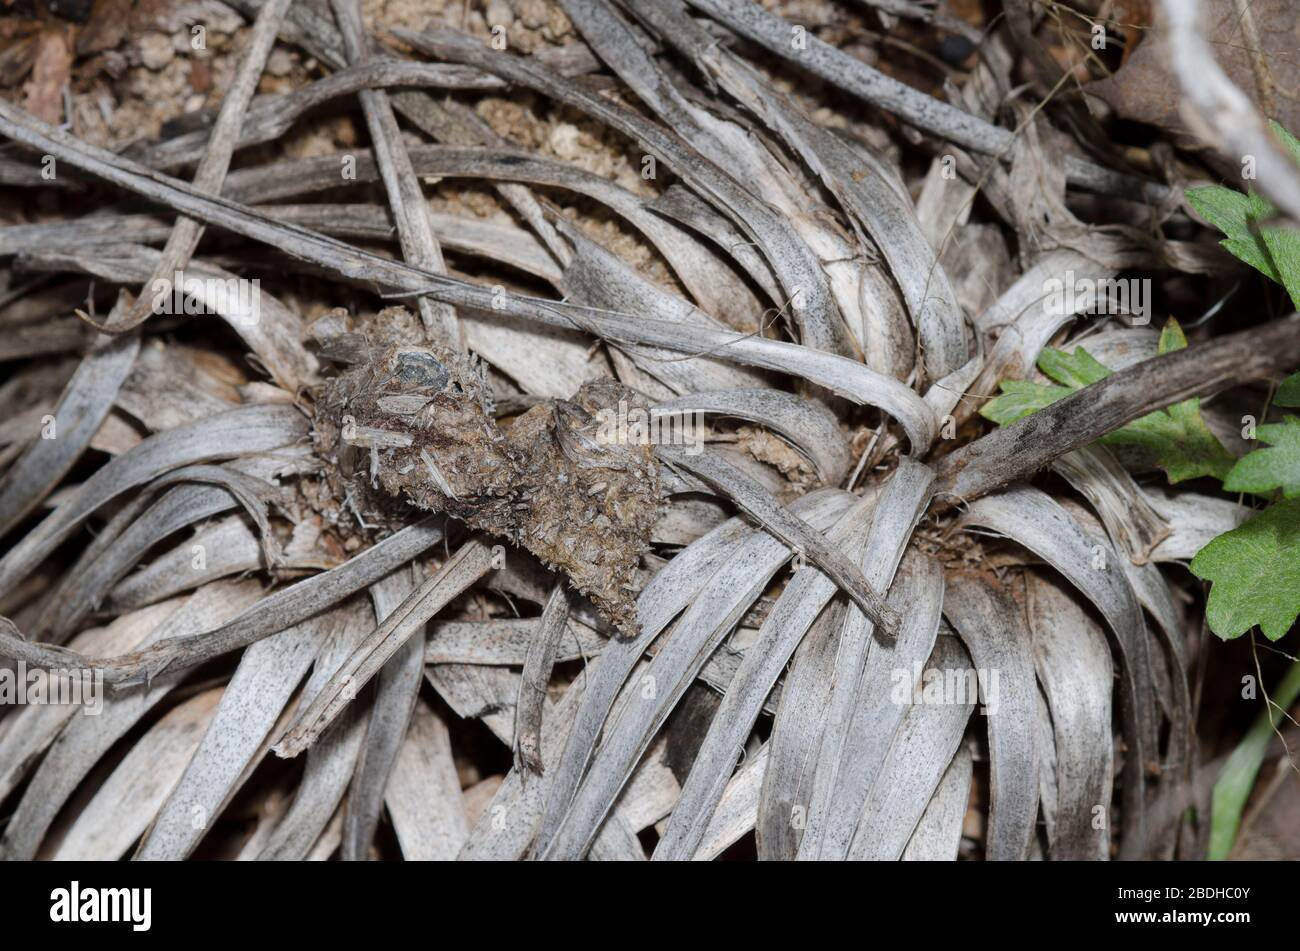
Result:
[
  {"x": 1271, "y": 828},
  {"x": 17, "y": 49},
  {"x": 107, "y": 27},
  {"x": 43, "y": 92},
  {"x": 1144, "y": 89}
]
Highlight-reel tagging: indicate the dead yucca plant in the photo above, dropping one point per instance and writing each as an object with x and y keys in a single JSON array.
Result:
[{"x": 788, "y": 632}]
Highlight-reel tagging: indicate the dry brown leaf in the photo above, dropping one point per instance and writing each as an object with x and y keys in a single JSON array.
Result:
[
  {"x": 1145, "y": 90},
  {"x": 107, "y": 27},
  {"x": 43, "y": 92}
]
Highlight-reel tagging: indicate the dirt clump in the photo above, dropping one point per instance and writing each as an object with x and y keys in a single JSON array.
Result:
[{"x": 412, "y": 421}]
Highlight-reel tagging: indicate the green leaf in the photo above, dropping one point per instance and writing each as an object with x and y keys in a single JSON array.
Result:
[
  {"x": 1233, "y": 213},
  {"x": 1175, "y": 439},
  {"x": 1288, "y": 394},
  {"x": 1254, "y": 572},
  {"x": 1232, "y": 788},
  {"x": 1265, "y": 470},
  {"x": 1229, "y": 211},
  {"x": 1274, "y": 252},
  {"x": 1171, "y": 338},
  {"x": 1254, "y": 252},
  {"x": 1074, "y": 370},
  {"x": 1284, "y": 248},
  {"x": 1019, "y": 398},
  {"x": 1290, "y": 141}
]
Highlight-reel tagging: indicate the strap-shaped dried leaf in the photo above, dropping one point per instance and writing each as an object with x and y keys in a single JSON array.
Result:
[
  {"x": 251, "y": 493},
  {"x": 507, "y": 825},
  {"x": 804, "y": 598},
  {"x": 405, "y": 196},
  {"x": 795, "y": 266},
  {"x": 902, "y": 502},
  {"x": 110, "y": 233},
  {"x": 1193, "y": 519},
  {"x": 86, "y": 740},
  {"x": 445, "y": 121},
  {"x": 778, "y": 520},
  {"x": 731, "y": 146},
  {"x": 946, "y": 394},
  {"x": 474, "y": 691},
  {"x": 273, "y": 332},
  {"x": 121, "y": 544},
  {"x": 471, "y": 562},
  {"x": 269, "y": 117},
  {"x": 1031, "y": 518},
  {"x": 807, "y": 424},
  {"x": 278, "y": 611},
  {"x": 536, "y": 677},
  {"x": 386, "y": 722},
  {"x": 737, "y": 809},
  {"x": 262, "y": 685},
  {"x": 866, "y": 193},
  {"x": 923, "y": 747},
  {"x": 937, "y": 836},
  {"x": 1074, "y": 665},
  {"x": 1169, "y": 664},
  {"x": 993, "y": 627},
  {"x": 846, "y": 377},
  {"x": 85, "y": 402},
  {"x": 212, "y": 167},
  {"x": 331, "y": 762},
  {"x": 835, "y": 811},
  {"x": 33, "y": 727},
  {"x": 1131, "y": 522},
  {"x": 217, "y": 550},
  {"x": 670, "y": 591},
  {"x": 925, "y": 112},
  {"x": 646, "y": 704},
  {"x": 703, "y": 271},
  {"x": 678, "y": 203},
  {"x": 423, "y": 792},
  {"x": 122, "y": 808},
  {"x": 597, "y": 277},
  {"x": 505, "y": 642},
  {"x": 1028, "y": 292},
  {"x": 248, "y": 429}
]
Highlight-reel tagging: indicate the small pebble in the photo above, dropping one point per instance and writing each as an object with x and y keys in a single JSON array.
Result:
[
  {"x": 534, "y": 13},
  {"x": 156, "y": 51},
  {"x": 279, "y": 63},
  {"x": 499, "y": 13}
]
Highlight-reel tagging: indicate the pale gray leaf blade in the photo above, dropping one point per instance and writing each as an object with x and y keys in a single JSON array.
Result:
[
  {"x": 712, "y": 614},
  {"x": 248, "y": 429},
  {"x": 1074, "y": 664},
  {"x": 937, "y": 836},
  {"x": 85, "y": 402},
  {"x": 387, "y": 722},
  {"x": 923, "y": 747},
  {"x": 1031, "y": 518},
  {"x": 993, "y": 627},
  {"x": 122, "y": 808},
  {"x": 263, "y": 684},
  {"x": 423, "y": 792}
]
